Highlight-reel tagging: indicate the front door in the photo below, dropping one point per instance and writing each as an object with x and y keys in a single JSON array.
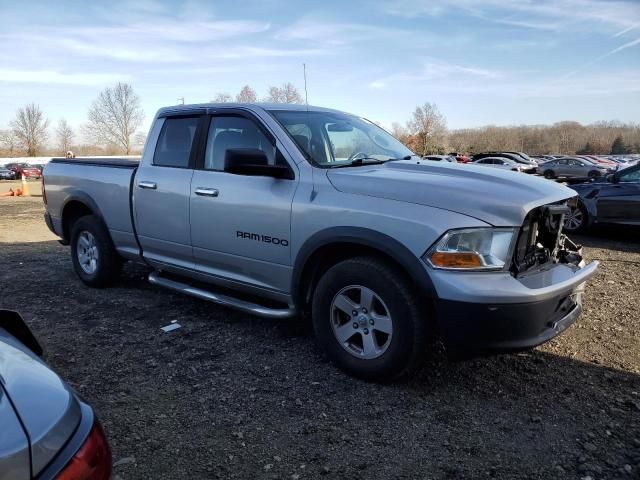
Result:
[
  {"x": 161, "y": 193},
  {"x": 240, "y": 225}
]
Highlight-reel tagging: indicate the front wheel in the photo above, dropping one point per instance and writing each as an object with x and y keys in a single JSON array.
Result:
[
  {"x": 549, "y": 174},
  {"x": 95, "y": 259},
  {"x": 367, "y": 319}
]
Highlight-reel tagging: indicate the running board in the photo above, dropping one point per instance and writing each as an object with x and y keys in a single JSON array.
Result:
[{"x": 225, "y": 300}]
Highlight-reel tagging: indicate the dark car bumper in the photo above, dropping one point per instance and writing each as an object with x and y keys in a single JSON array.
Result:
[{"x": 484, "y": 328}]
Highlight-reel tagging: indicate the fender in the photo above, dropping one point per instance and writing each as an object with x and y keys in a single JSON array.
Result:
[
  {"x": 411, "y": 264},
  {"x": 84, "y": 198}
]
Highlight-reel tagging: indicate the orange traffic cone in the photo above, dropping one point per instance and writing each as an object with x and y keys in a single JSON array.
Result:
[{"x": 25, "y": 187}]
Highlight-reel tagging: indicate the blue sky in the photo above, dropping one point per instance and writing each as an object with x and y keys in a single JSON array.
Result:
[{"x": 481, "y": 61}]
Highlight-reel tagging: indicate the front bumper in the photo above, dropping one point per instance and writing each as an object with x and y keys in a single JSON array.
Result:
[{"x": 496, "y": 312}]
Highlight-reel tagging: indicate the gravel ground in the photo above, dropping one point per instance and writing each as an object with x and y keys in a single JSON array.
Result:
[{"x": 231, "y": 396}]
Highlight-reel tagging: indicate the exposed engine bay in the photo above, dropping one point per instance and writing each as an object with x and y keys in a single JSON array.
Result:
[{"x": 541, "y": 240}]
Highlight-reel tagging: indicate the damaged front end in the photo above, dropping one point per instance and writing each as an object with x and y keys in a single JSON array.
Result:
[{"x": 541, "y": 241}]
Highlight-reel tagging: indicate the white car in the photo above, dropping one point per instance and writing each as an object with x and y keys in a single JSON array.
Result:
[{"x": 499, "y": 162}]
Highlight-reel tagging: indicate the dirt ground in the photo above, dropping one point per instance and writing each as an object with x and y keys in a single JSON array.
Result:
[{"x": 232, "y": 396}]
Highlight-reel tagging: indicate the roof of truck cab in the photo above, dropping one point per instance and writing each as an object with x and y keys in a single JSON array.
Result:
[{"x": 199, "y": 107}]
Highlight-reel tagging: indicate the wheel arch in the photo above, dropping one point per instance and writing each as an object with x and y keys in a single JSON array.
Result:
[
  {"x": 328, "y": 247},
  {"x": 77, "y": 205}
]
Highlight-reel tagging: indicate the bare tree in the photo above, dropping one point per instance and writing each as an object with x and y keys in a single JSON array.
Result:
[
  {"x": 115, "y": 116},
  {"x": 64, "y": 132},
  {"x": 430, "y": 128},
  {"x": 247, "y": 95},
  {"x": 30, "y": 128},
  {"x": 8, "y": 142},
  {"x": 288, "y": 93},
  {"x": 222, "y": 98}
]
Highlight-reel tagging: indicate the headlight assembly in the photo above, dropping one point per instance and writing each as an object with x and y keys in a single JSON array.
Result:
[{"x": 472, "y": 249}]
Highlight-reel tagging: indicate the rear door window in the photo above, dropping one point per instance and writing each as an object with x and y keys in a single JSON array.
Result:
[{"x": 175, "y": 142}]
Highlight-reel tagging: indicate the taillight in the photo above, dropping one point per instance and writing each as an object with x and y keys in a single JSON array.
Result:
[{"x": 92, "y": 461}]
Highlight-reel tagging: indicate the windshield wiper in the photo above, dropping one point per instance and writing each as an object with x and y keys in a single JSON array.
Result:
[
  {"x": 408, "y": 157},
  {"x": 360, "y": 161}
]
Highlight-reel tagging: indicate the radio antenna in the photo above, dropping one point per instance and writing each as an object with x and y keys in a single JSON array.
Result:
[{"x": 306, "y": 95}]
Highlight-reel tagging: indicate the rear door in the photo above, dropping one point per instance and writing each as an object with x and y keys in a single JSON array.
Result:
[
  {"x": 240, "y": 225},
  {"x": 162, "y": 189},
  {"x": 620, "y": 202}
]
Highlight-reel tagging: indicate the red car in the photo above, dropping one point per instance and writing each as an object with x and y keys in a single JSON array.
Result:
[
  {"x": 460, "y": 157},
  {"x": 24, "y": 169}
]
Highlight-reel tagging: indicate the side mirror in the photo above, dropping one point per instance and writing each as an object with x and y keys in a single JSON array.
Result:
[
  {"x": 13, "y": 323},
  {"x": 253, "y": 162},
  {"x": 611, "y": 178}
]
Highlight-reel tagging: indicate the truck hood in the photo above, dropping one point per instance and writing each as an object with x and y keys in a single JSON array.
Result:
[
  {"x": 48, "y": 410},
  {"x": 497, "y": 197}
]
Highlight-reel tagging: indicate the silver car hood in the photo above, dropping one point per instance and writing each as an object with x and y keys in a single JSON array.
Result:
[
  {"x": 497, "y": 197},
  {"x": 47, "y": 408}
]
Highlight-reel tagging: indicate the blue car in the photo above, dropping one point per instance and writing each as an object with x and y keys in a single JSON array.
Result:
[{"x": 615, "y": 199}]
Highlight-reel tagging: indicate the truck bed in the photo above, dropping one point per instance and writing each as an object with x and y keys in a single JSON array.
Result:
[{"x": 102, "y": 184}]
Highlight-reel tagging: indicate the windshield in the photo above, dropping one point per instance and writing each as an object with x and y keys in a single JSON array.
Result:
[{"x": 332, "y": 139}]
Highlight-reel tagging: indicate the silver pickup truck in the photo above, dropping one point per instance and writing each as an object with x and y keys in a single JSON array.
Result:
[{"x": 284, "y": 211}]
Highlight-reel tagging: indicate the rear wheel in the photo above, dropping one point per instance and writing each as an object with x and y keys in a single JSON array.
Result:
[
  {"x": 594, "y": 174},
  {"x": 549, "y": 174},
  {"x": 95, "y": 259},
  {"x": 367, "y": 319},
  {"x": 577, "y": 219}
]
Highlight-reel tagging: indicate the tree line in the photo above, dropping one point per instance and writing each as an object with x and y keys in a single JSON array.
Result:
[
  {"x": 115, "y": 116},
  {"x": 112, "y": 126},
  {"x": 426, "y": 133}
]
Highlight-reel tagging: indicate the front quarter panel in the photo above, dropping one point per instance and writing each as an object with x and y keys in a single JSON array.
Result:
[{"x": 321, "y": 210}]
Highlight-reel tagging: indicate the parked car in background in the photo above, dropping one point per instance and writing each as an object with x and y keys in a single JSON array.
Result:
[
  {"x": 6, "y": 174},
  {"x": 499, "y": 162},
  {"x": 614, "y": 199},
  {"x": 599, "y": 160},
  {"x": 528, "y": 166},
  {"x": 441, "y": 158},
  {"x": 542, "y": 158},
  {"x": 524, "y": 156},
  {"x": 46, "y": 430},
  {"x": 460, "y": 157},
  {"x": 572, "y": 167},
  {"x": 25, "y": 169}
]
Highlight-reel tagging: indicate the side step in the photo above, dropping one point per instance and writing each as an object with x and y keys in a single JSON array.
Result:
[{"x": 227, "y": 301}]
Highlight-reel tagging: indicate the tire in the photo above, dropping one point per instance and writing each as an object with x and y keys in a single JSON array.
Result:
[
  {"x": 593, "y": 174},
  {"x": 395, "y": 308},
  {"x": 90, "y": 239},
  {"x": 549, "y": 174},
  {"x": 577, "y": 220}
]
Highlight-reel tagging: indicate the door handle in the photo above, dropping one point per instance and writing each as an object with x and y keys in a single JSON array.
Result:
[
  {"x": 149, "y": 185},
  {"x": 206, "y": 192}
]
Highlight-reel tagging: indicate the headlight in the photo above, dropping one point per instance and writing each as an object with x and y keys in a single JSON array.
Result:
[{"x": 472, "y": 249}]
